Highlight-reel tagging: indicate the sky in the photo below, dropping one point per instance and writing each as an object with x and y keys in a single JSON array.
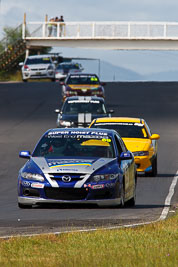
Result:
[{"x": 143, "y": 62}]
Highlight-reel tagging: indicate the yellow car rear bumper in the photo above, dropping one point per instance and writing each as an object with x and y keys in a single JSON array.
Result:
[{"x": 143, "y": 163}]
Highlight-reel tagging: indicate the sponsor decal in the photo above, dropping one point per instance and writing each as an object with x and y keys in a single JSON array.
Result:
[
  {"x": 65, "y": 170},
  {"x": 57, "y": 133},
  {"x": 138, "y": 124},
  {"x": 96, "y": 134},
  {"x": 84, "y": 76},
  {"x": 65, "y": 161},
  {"x": 62, "y": 163},
  {"x": 97, "y": 186},
  {"x": 70, "y": 164},
  {"x": 79, "y": 136},
  {"x": 37, "y": 185},
  {"x": 121, "y": 123},
  {"x": 84, "y": 101}
]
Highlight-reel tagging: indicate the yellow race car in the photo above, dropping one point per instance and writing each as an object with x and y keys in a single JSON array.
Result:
[{"x": 137, "y": 137}]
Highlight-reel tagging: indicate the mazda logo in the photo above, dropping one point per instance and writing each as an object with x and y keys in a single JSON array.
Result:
[{"x": 66, "y": 178}]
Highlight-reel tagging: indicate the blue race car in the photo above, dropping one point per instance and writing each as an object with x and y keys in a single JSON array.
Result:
[{"x": 75, "y": 165}]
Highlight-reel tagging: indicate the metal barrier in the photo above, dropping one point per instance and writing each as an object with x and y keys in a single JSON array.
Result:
[{"x": 101, "y": 30}]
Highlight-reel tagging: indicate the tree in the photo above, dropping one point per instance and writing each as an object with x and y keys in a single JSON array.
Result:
[
  {"x": 1, "y": 48},
  {"x": 12, "y": 35},
  {"x": 13, "y": 49}
]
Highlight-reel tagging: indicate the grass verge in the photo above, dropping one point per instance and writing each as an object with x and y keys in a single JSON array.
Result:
[
  {"x": 10, "y": 76},
  {"x": 17, "y": 77},
  {"x": 150, "y": 245}
]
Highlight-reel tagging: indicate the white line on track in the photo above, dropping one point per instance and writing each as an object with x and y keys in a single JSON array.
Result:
[
  {"x": 162, "y": 217},
  {"x": 168, "y": 198}
]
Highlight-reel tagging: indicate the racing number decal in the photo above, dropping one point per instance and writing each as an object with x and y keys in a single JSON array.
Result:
[
  {"x": 94, "y": 79},
  {"x": 106, "y": 140}
]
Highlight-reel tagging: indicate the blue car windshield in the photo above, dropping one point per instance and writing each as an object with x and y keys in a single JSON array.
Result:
[
  {"x": 125, "y": 129},
  {"x": 83, "y": 106},
  {"x": 78, "y": 145}
]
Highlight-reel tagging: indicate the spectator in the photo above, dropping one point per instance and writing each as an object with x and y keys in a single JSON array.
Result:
[
  {"x": 61, "y": 25},
  {"x": 50, "y": 27},
  {"x": 55, "y": 26}
]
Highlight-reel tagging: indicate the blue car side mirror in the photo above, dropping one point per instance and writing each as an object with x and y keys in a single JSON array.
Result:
[
  {"x": 126, "y": 155},
  {"x": 25, "y": 154}
]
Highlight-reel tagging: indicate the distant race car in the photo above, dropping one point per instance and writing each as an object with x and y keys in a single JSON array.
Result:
[
  {"x": 63, "y": 69},
  {"x": 38, "y": 67},
  {"x": 79, "y": 111},
  {"x": 78, "y": 166},
  {"x": 82, "y": 85},
  {"x": 138, "y": 138}
]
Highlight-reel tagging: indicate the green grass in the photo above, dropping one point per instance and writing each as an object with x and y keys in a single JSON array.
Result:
[
  {"x": 17, "y": 77},
  {"x": 10, "y": 76},
  {"x": 150, "y": 245}
]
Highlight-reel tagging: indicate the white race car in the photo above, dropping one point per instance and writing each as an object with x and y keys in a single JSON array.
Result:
[{"x": 38, "y": 67}]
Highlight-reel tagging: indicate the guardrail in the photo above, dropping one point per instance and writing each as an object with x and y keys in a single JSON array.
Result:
[{"x": 101, "y": 30}]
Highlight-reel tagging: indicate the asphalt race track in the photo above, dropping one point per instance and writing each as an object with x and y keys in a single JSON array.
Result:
[{"x": 27, "y": 110}]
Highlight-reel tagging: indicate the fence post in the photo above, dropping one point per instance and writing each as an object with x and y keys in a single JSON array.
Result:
[
  {"x": 165, "y": 28},
  {"x": 93, "y": 30},
  {"x": 45, "y": 33},
  {"x": 78, "y": 31},
  {"x": 128, "y": 29},
  {"x": 24, "y": 26},
  {"x": 43, "y": 29},
  {"x": 27, "y": 52}
]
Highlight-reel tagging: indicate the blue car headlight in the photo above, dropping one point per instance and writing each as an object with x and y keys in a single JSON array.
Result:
[
  {"x": 32, "y": 176},
  {"x": 103, "y": 177}
]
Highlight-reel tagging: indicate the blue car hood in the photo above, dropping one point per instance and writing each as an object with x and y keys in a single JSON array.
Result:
[{"x": 69, "y": 165}]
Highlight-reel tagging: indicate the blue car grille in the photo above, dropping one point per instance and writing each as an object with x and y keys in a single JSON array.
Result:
[
  {"x": 66, "y": 193},
  {"x": 74, "y": 176}
]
